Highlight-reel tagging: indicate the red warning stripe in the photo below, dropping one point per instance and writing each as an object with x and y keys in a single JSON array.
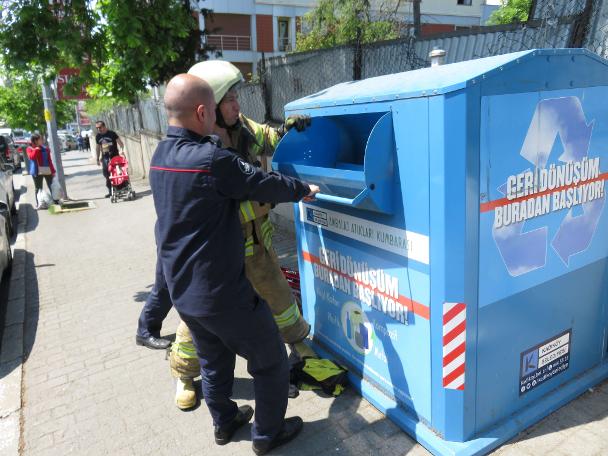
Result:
[
  {"x": 453, "y": 312},
  {"x": 454, "y": 333},
  {"x": 454, "y": 345},
  {"x": 418, "y": 308},
  {"x": 459, "y": 371},
  {"x": 447, "y": 359}
]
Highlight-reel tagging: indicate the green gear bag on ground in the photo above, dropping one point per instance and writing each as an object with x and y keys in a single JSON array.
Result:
[{"x": 315, "y": 373}]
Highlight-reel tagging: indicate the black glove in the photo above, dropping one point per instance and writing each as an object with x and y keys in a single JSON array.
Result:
[{"x": 299, "y": 121}]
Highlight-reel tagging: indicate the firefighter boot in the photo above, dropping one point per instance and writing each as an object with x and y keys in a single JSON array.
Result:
[{"x": 185, "y": 395}]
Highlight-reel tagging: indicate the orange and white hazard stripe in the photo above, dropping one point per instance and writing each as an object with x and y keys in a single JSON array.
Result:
[{"x": 454, "y": 344}]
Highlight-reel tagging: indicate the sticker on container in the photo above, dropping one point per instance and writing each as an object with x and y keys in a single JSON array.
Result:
[
  {"x": 407, "y": 244},
  {"x": 544, "y": 361}
]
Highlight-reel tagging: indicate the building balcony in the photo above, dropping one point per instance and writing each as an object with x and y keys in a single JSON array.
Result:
[
  {"x": 284, "y": 45},
  {"x": 229, "y": 42}
]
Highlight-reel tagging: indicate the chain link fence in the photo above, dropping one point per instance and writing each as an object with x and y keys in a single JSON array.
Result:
[
  {"x": 596, "y": 37},
  {"x": 293, "y": 76},
  {"x": 552, "y": 24}
]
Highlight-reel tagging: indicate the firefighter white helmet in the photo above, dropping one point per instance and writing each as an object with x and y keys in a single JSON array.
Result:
[{"x": 219, "y": 74}]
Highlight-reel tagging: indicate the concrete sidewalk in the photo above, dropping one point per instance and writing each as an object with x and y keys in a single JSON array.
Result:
[{"x": 88, "y": 389}]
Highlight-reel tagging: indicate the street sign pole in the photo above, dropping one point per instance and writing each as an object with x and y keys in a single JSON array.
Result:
[
  {"x": 51, "y": 127},
  {"x": 78, "y": 118}
]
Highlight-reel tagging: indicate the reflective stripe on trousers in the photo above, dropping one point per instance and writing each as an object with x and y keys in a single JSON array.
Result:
[
  {"x": 288, "y": 317},
  {"x": 184, "y": 350},
  {"x": 249, "y": 246},
  {"x": 267, "y": 230}
]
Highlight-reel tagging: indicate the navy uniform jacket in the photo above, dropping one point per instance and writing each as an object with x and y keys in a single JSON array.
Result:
[{"x": 197, "y": 186}]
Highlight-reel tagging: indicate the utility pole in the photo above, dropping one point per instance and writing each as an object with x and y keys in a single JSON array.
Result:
[
  {"x": 78, "y": 118},
  {"x": 416, "y": 4},
  {"x": 51, "y": 128}
]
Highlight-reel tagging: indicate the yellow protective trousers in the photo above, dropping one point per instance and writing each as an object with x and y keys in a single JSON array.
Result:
[
  {"x": 263, "y": 271},
  {"x": 183, "y": 359}
]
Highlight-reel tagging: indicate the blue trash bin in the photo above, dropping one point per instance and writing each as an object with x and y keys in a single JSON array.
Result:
[{"x": 455, "y": 260}]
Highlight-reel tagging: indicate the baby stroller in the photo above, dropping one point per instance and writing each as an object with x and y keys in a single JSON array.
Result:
[{"x": 118, "y": 168}]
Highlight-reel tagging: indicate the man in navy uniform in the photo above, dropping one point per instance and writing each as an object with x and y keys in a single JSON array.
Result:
[{"x": 197, "y": 186}]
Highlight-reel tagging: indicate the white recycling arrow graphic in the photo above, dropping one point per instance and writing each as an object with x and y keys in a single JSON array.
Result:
[{"x": 523, "y": 252}]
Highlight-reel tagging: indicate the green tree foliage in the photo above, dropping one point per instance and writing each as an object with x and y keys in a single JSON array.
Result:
[
  {"x": 120, "y": 46},
  {"x": 98, "y": 105},
  {"x": 145, "y": 42},
  {"x": 21, "y": 104},
  {"x": 336, "y": 22},
  {"x": 42, "y": 38},
  {"x": 511, "y": 11}
]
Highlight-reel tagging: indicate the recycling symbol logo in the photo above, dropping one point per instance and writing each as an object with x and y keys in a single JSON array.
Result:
[{"x": 572, "y": 182}]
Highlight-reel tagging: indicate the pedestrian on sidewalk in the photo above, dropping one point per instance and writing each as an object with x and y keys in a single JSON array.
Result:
[
  {"x": 107, "y": 148},
  {"x": 196, "y": 186},
  {"x": 40, "y": 167}
]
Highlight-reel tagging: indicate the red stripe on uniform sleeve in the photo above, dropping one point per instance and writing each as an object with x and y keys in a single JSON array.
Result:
[{"x": 181, "y": 170}]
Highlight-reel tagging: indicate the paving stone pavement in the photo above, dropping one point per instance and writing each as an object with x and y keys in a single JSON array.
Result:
[{"x": 89, "y": 390}]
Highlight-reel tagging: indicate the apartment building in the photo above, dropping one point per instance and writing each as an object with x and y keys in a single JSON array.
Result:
[{"x": 244, "y": 29}]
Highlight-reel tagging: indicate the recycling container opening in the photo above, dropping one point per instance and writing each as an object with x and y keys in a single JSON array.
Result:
[{"x": 350, "y": 157}]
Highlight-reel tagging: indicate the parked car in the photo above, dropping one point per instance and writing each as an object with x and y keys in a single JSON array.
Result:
[
  {"x": 8, "y": 151},
  {"x": 22, "y": 144},
  {"x": 7, "y": 191},
  {"x": 19, "y": 133},
  {"x": 6, "y": 256},
  {"x": 68, "y": 142}
]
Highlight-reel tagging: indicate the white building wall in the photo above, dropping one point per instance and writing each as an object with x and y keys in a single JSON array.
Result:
[
  {"x": 291, "y": 8},
  {"x": 432, "y": 12}
]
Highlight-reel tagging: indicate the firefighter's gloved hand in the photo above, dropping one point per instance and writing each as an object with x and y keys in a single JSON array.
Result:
[{"x": 299, "y": 121}]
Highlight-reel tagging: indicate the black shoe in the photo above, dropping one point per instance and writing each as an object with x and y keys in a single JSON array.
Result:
[
  {"x": 291, "y": 428},
  {"x": 225, "y": 433},
  {"x": 108, "y": 195},
  {"x": 155, "y": 343}
]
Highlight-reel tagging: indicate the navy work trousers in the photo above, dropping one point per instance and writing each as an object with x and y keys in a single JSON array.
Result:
[
  {"x": 157, "y": 306},
  {"x": 105, "y": 161},
  {"x": 251, "y": 332}
]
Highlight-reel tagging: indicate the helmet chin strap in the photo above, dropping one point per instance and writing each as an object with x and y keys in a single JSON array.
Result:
[{"x": 220, "y": 122}]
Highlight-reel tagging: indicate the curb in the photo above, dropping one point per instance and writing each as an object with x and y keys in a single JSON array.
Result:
[{"x": 11, "y": 346}]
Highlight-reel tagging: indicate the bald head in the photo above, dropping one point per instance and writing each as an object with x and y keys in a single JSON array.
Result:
[{"x": 190, "y": 104}]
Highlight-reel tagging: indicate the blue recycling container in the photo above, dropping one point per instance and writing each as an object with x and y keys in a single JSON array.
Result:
[{"x": 455, "y": 260}]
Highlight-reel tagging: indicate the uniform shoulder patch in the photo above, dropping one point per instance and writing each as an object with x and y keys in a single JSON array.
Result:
[{"x": 246, "y": 168}]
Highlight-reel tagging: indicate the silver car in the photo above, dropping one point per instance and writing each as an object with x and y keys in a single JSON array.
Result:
[
  {"x": 6, "y": 256},
  {"x": 7, "y": 192}
]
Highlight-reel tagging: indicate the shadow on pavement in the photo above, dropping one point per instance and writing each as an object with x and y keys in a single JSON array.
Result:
[
  {"x": 76, "y": 166},
  {"x": 10, "y": 323},
  {"x": 143, "y": 194},
  {"x": 242, "y": 389},
  {"x": 32, "y": 305},
  {"x": 74, "y": 159},
  {"x": 141, "y": 296},
  {"x": 92, "y": 172},
  {"x": 32, "y": 217},
  {"x": 589, "y": 407},
  {"x": 327, "y": 435}
]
